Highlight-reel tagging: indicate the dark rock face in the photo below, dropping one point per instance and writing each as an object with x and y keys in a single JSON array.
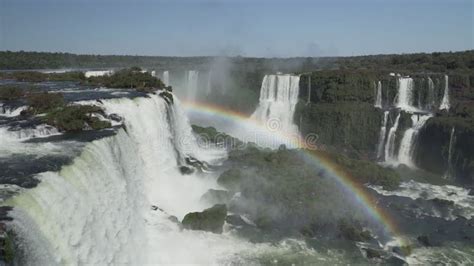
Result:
[
  {"x": 235, "y": 220},
  {"x": 211, "y": 220},
  {"x": 432, "y": 148},
  {"x": 186, "y": 170},
  {"x": 424, "y": 240},
  {"x": 215, "y": 196}
]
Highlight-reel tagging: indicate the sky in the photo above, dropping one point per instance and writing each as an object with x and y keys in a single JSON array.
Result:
[{"x": 257, "y": 28}]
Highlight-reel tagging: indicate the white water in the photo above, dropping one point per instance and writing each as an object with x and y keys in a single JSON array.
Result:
[
  {"x": 378, "y": 96},
  {"x": 209, "y": 83},
  {"x": 390, "y": 145},
  {"x": 463, "y": 202},
  {"x": 278, "y": 98},
  {"x": 27, "y": 133},
  {"x": 191, "y": 92},
  {"x": 98, "y": 73},
  {"x": 97, "y": 210},
  {"x": 11, "y": 112},
  {"x": 405, "y": 94},
  {"x": 405, "y": 153},
  {"x": 383, "y": 133},
  {"x": 445, "y": 105},
  {"x": 431, "y": 94},
  {"x": 166, "y": 78},
  {"x": 452, "y": 139}
]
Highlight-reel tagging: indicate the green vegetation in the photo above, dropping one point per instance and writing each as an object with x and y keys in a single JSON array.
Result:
[
  {"x": 352, "y": 128},
  {"x": 211, "y": 135},
  {"x": 286, "y": 189},
  {"x": 44, "y": 102},
  {"x": 10, "y": 93},
  {"x": 128, "y": 78},
  {"x": 76, "y": 118},
  {"x": 211, "y": 220}
]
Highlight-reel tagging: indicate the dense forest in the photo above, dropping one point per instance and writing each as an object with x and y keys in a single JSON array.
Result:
[{"x": 420, "y": 62}]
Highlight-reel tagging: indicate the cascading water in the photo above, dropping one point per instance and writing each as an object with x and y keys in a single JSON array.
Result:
[
  {"x": 98, "y": 209},
  {"x": 390, "y": 145},
  {"x": 445, "y": 105},
  {"x": 409, "y": 137},
  {"x": 378, "y": 96},
  {"x": 278, "y": 98},
  {"x": 383, "y": 133},
  {"x": 209, "y": 83},
  {"x": 452, "y": 140},
  {"x": 166, "y": 77},
  {"x": 431, "y": 94},
  {"x": 191, "y": 85},
  {"x": 405, "y": 94}
]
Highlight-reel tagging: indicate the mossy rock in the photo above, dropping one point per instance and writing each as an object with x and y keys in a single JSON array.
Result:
[
  {"x": 230, "y": 179},
  {"x": 211, "y": 220},
  {"x": 215, "y": 196}
]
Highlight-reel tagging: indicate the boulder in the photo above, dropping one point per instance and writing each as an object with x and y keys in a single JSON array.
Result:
[
  {"x": 424, "y": 240},
  {"x": 211, "y": 220},
  {"x": 186, "y": 170},
  {"x": 215, "y": 196}
]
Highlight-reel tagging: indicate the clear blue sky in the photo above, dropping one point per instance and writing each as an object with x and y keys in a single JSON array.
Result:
[{"x": 244, "y": 27}]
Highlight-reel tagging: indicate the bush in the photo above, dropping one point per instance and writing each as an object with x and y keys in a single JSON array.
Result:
[
  {"x": 8, "y": 93},
  {"x": 44, "y": 102},
  {"x": 76, "y": 118}
]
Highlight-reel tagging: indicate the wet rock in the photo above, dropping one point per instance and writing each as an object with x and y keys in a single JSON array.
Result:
[
  {"x": 373, "y": 253},
  {"x": 167, "y": 96},
  {"x": 211, "y": 220},
  {"x": 235, "y": 220},
  {"x": 442, "y": 202},
  {"x": 186, "y": 170},
  {"x": 115, "y": 117},
  {"x": 351, "y": 232},
  {"x": 4, "y": 213},
  {"x": 195, "y": 163},
  {"x": 215, "y": 196},
  {"x": 424, "y": 240}
]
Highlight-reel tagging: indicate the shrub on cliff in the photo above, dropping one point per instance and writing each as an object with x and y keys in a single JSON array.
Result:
[
  {"x": 9, "y": 93},
  {"x": 44, "y": 102},
  {"x": 76, "y": 118},
  {"x": 211, "y": 220}
]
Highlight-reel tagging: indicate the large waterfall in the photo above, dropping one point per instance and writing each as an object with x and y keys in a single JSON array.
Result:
[
  {"x": 191, "y": 85},
  {"x": 431, "y": 94},
  {"x": 405, "y": 93},
  {"x": 166, "y": 77},
  {"x": 383, "y": 133},
  {"x": 378, "y": 95},
  {"x": 97, "y": 210},
  {"x": 405, "y": 151},
  {"x": 445, "y": 105},
  {"x": 449, "y": 170},
  {"x": 278, "y": 98},
  {"x": 390, "y": 145}
]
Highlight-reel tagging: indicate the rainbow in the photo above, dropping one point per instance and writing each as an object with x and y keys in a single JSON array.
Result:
[{"x": 346, "y": 180}]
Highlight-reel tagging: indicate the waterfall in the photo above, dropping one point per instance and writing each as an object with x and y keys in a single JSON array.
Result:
[
  {"x": 405, "y": 94},
  {"x": 431, "y": 94},
  {"x": 209, "y": 83},
  {"x": 378, "y": 96},
  {"x": 278, "y": 98},
  {"x": 309, "y": 90},
  {"x": 449, "y": 171},
  {"x": 191, "y": 85},
  {"x": 383, "y": 133},
  {"x": 405, "y": 153},
  {"x": 166, "y": 78},
  {"x": 390, "y": 145},
  {"x": 97, "y": 210},
  {"x": 445, "y": 101}
]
